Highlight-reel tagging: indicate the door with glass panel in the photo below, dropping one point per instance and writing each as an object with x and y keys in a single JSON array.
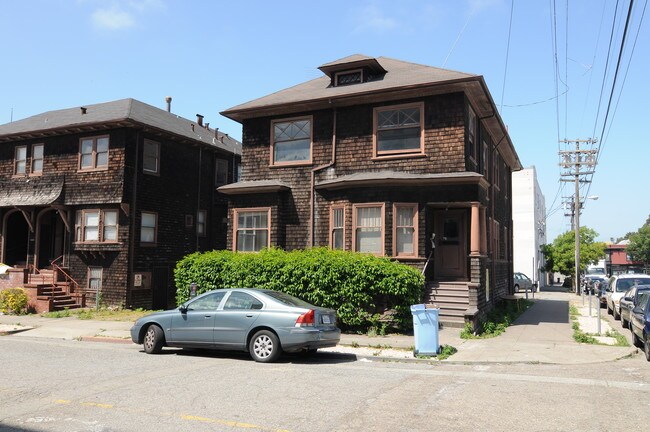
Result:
[{"x": 451, "y": 249}]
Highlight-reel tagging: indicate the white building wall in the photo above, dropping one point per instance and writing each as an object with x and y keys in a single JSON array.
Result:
[{"x": 529, "y": 224}]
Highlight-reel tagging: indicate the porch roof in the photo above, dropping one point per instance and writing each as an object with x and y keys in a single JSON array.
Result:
[
  {"x": 253, "y": 186},
  {"x": 396, "y": 178},
  {"x": 30, "y": 192}
]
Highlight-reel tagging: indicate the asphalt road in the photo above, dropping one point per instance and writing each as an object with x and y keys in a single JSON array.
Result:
[{"x": 57, "y": 385}]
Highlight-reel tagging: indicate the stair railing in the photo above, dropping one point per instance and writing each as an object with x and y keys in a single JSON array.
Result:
[{"x": 73, "y": 285}]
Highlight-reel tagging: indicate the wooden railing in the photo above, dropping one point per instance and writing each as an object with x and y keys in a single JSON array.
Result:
[{"x": 73, "y": 286}]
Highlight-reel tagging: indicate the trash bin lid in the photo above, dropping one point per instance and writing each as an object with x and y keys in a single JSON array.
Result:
[{"x": 417, "y": 307}]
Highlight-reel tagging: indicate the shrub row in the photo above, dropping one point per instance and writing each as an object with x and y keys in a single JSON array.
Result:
[{"x": 360, "y": 287}]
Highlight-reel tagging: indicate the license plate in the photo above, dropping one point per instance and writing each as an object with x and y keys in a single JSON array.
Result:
[{"x": 326, "y": 319}]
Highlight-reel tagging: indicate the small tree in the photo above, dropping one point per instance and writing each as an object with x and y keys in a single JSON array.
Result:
[
  {"x": 560, "y": 255},
  {"x": 639, "y": 247}
]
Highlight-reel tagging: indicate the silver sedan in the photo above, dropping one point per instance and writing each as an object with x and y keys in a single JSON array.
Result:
[{"x": 263, "y": 322}]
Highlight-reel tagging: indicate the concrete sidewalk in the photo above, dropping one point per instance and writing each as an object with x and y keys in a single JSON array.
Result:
[{"x": 542, "y": 334}]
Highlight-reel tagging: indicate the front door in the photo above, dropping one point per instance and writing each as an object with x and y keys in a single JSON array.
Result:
[{"x": 451, "y": 248}]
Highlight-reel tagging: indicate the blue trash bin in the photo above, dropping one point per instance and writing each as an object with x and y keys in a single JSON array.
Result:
[{"x": 425, "y": 329}]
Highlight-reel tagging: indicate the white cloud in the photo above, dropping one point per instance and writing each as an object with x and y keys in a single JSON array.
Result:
[
  {"x": 372, "y": 18},
  {"x": 112, "y": 19}
]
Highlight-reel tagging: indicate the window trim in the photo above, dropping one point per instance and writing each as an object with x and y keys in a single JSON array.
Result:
[
  {"x": 472, "y": 134},
  {"x": 415, "y": 208},
  {"x": 94, "y": 153},
  {"x": 382, "y": 227},
  {"x": 217, "y": 182},
  {"x": 32, "y": 171},
  {"x": 204, "y": 224},
  {"x": 347, "y": 72},
  {"x": 144, "y": 169},
  {"x": 376, "y": 154},
  {"x": 80, "y": 228},
  {"x": 273, "y": 163},
  {"x": 155, "y": 228},
  {"x": 235, "y": 225},
  {"x": 333, "y": 208},
  {"x": 101, "y": 277},
  {"x": 16, "y": 161}
]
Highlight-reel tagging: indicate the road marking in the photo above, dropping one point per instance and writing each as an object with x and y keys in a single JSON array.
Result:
[
  {"x": 98, "y": 405},
  {"x": 62, "y": 401}
]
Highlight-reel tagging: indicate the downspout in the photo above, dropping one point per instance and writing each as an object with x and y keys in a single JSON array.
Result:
[
  {"x": 134, "y": 201},
  {"x": 198, "y": 203},
  {"x": 313, "y": 183}
]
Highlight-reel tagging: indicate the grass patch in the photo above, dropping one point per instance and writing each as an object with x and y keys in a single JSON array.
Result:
[
  {"x": 498, "y": 320},
  {"x": 100, "y": 315},
  {"x": 582, "y": 337},
  {"x": 621, "y": 340},
  {"x": 446, "y": 351}
]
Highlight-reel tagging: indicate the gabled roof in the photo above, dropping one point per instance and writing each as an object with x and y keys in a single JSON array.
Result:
[
  {"x": 400, "y": 74},
  {"x": 108, "y": 113}
]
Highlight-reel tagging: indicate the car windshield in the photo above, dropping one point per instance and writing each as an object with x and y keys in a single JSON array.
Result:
[
  {"x": 625, "y": 284},
  {"x": 287, "y": 299}
]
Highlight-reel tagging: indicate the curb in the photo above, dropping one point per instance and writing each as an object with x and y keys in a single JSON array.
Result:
[
  {"x": 13, "y": 331},
  {"x": 104, "y": 339}
]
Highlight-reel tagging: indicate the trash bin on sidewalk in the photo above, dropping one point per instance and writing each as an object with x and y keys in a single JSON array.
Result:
[{"x": 425, "y": 329}]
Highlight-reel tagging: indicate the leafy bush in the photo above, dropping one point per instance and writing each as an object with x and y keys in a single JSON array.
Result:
[
  {"x": 13, "y": 301},
  {"x": 359, "y": 287},
  {"x": 497, "y": 321}
]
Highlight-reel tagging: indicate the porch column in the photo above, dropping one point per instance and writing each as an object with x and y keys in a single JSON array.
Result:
[
  {"x": 483, "y": 231},
  {"x": 475, "y": 233}
]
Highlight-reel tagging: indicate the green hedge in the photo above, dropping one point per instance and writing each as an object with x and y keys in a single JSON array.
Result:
[{"x": 360, "y": 287}]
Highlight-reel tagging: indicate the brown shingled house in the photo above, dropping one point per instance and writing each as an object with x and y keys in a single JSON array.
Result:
[
  {"x": 385, "y": 157},
  {"x": 99, "y": 202}
]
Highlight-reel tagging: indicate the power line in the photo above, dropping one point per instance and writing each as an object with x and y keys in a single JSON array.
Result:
[{"x": 505, "y": 71}]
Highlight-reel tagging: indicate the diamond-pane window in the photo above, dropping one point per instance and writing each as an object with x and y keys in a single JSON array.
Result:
[
  {"x": 292, "y": 141},
  {"x": 348, "y": 78},
  {"x": 399, "y": 130}
]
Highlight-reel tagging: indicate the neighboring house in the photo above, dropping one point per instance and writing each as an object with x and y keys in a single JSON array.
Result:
[
  {"x": 377, "y": 156},
  {"x": 102, "y": 200},
  {"x": 617, "y": 261},
  {"x": 529, "y": 225}
]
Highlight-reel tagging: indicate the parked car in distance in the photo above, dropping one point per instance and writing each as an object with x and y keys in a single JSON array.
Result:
[
  {"x": 617, "y": 286},
  {"x": 640, "y": 324},
  {"x": 263, "y": 322},
  {"x": 595, "y": 281},
  {"x": 521, "y": 282},
  {"x": 629, "y": 301}
]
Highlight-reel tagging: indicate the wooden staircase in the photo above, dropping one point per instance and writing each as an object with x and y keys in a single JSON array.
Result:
[
  {"x": 453, "y": 300},
  {"x": 59, "y": 295}
]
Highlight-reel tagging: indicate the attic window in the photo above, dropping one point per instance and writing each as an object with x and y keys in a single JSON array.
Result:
[{"x": 349, "y": 77}]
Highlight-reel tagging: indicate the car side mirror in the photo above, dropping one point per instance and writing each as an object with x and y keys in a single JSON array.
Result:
[
  {"x": 627, "y": 299},
  {"x": 182, "y": 308},
  {"x": 637, "y": 310}
]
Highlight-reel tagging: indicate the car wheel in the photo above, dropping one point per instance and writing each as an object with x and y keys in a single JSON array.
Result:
[
  {"x": 264, "y": 346},
  {"x": 609, "y": 311},
  {"x": 516, "y": 288},
  {"x": 617, "y": 316},
  {"x": 154, "y": 339},
  {"x": 623, "y": 322},
  {"x": 647, "y": 347}
]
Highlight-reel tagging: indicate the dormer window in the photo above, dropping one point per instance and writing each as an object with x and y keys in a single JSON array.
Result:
[{"x": 349, "y": 77}]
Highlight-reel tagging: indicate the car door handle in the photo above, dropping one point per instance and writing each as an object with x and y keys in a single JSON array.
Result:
[
  {"x": 208, "y": 316},
  {"x": 249, "y": 316}
]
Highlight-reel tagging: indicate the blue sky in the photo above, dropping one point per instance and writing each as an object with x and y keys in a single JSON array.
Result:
[{"x": 212, "y": 55}]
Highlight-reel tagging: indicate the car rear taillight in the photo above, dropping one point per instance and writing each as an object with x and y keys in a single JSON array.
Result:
[{"x": 306, "y": 319}]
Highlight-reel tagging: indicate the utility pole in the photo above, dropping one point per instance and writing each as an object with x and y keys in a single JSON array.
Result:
[{"x": 578, "y": 163}]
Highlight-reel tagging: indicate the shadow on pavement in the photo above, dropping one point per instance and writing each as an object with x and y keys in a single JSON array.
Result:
[{"x": 545, "y": 311}]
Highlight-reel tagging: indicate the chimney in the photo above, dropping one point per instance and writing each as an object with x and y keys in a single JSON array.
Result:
[
  {"x": 207, "y": 126},
  {"x": 199, "y": 119},
  {"x": 168, "y": 99},
  {"x": 216, "y": 133},
  {"x": 83, "y": 110}
]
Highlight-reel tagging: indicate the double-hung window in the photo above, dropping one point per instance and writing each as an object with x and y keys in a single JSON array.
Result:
[
  {"x": 471, "y": 133},
  {"x": 37, "y": 158},
  {"x": 20, "y": 160},
  {"x": 201, "y": 222},
  {"x": 337, "y": 227},
  {"x": 151, "y": 157},
  {"x": 93, "y": 153},
  {"x": 93, "y": 226},
  {"x": 252, "y": 229},
  {"x": 221, "y": 172},
  {"x": 149, "y": 228},
  {"x": 95, "y": 275},
  {"x": 398, "y": 130},
  {"x": 405, "y": 237},
  {"x": 291, "y": 141},
  {"x": 368, "y": 228}
]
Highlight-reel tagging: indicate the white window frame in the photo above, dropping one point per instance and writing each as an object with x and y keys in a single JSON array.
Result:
[
  {"x": 235, "y": 238},
  {"x": 355, "y": 227},
  {"x": 35, "y": 159},
  {"x": 414, "y": 226},
  {"x": 156, "y": 157},
  {"x": 81, "y": 226},
  {"x": 20, "y": 162},
  {"x": 94, "y": 154},
  {"x": 146, "y": 228}
]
